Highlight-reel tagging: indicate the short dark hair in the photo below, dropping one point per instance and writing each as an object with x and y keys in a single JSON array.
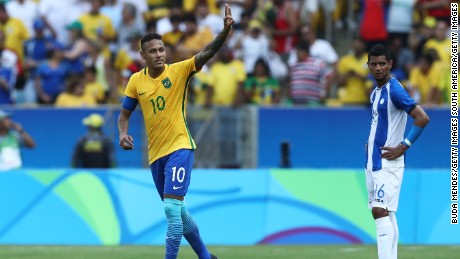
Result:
[
  {"x": 149, "y": 37},
  {"x": 379, "y": 50},
  {"x": 190, "y": 17},
  {"x": 303, "y": 45}
]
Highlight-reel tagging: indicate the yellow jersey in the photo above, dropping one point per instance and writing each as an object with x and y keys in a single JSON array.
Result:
[
  {"x": 97, "y": 26},
  {"x": 424, "y": 82},
  {"x": 225, "y": 78},
  {"x": 15, "y": 34},
  {"x": 441, "y": 47},
  {"x": 163, "y": 101},
  {"x": 354, "y": 90}
]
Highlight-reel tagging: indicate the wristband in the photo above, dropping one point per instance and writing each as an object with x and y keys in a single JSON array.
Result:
[
  {"x": 414, "y": 133},
  {"x": 406, "y": 143}
]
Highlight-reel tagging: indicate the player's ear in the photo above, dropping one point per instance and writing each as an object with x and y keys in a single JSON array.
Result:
[
  {"x": 142, "y": 54},
  {"x": 391, "y": 63}
]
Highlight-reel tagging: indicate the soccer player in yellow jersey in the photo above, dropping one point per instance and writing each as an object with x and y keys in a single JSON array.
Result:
[{"x": 161, "y": 91}]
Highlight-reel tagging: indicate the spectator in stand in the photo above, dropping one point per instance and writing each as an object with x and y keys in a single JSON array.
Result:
[
  {"x": 441, "y": 43},
  {"x": 194, "y": 39},
  {"x": 127, "y": 62},
  {"x": 210, "y": 20},
  {"x": 8, "y": 71},
  {"x": 253, "y": 45},
  {"x": 164, "y": 24},
  {"x": 226, "y": 80},
  {"x": 99, "y": 58},
  {"x": 92, "y": 86},
  {"x": 129, "y": 24},
  {"x": 425, "y": 80},
  {"x": 141, "y": 6},
  {"x": 12, "y": 138},
  {"x": 36, "y": 51},
  {"x": 158, "y": 9},
  {"x": 399, "y": 20},
  {"x": 352, "y": 73},
  {"x": 113, "y": 9},
  {"x": 74, "y": 95},
  {"x": 261, "y": 88},
  {"x": 78, "y": 49},
  {"x": 319, "y": 48},
  {"x": 238, "y": 32},
  {"x": 282, "y": 21},
  {"x": 97, "y": 26},
  {"x": 172, "y": 37},
  {"x": 15, "y": 32},
  {"x": 420, "y": 35},
  {"x": 94, "y": 149},
  {"x": 50, "y": 79},
  {"x": 309, "y": 78},
  {"x": 404, "y": 56},
  {"x": 373, "y": 25},
  {"x": 24, "y": 10},
  {"x": 57, "y": 14},
  {"x": 439, "y": 9}
]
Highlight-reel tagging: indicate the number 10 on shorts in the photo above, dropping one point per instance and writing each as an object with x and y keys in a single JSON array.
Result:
[{"x": 178, "y": 174}]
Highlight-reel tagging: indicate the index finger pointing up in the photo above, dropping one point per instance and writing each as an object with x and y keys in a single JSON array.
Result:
[{"x": 228, "y": 11}]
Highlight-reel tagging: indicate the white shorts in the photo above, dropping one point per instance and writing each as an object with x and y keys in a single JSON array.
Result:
[{"x": 383, "y": 187}]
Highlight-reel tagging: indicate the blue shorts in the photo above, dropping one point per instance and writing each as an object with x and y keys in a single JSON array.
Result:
[{"x": 171, "y": 173}]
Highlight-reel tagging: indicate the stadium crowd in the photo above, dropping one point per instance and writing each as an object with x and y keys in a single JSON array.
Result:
[{"x": 79, "y": 53}]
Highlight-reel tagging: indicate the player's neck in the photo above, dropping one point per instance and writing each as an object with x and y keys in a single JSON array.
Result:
[
  {"x": 384, "y": 81},
  {"x": 154, "y": 73}
]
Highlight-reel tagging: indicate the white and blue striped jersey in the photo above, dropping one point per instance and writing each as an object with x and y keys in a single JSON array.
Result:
[{"x": 390, "y": 105}]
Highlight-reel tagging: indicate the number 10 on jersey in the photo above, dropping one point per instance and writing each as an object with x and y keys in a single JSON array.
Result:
[{"x": 158, "y": 104}]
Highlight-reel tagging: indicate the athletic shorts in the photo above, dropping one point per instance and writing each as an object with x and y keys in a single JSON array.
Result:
[
  {"x": 172, "y": 173},
  {"x": 383, "y": 187}
]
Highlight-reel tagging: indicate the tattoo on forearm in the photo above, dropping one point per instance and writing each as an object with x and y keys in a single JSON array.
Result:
[{"x": 211, "y": 49}]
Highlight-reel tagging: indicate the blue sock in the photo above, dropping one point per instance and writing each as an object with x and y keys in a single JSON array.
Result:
[
  {"x": 192, "y": 235},
  {"x": 175, "y": 227}
]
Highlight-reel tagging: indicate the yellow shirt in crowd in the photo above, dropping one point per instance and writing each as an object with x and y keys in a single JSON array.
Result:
[
  {"x": 423, "y": 83},
  {"x": 96, "y": 90},
  {"x": 16, "y": 33},
  {"x": 95, "y": 26},
  {"x": 355, "y": 90},
  {"x": 224, "y": 79}
]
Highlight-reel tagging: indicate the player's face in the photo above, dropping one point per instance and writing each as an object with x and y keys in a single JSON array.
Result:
[
  {"x": 379, "y": 67},
  {"x": 154, "y": 54}
]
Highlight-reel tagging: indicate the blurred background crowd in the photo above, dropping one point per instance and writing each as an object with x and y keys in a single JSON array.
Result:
[{"x": 80, "y": 53}]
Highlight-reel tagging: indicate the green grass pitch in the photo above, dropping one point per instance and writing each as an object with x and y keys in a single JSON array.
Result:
[{"x": 225, "y": 252}]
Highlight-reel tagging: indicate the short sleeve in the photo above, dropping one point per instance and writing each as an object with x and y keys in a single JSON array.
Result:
[
  {"x": 131, "y": 88},
  {"x": 400, "y": 97},
  {"x": 185, "y": 67}
]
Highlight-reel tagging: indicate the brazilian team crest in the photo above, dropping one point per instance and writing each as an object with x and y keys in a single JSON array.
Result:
[{"x": 166, "y": 82}]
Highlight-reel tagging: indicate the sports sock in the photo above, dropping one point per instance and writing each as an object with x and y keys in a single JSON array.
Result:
[
  {"x": 394, "y": 222},
  {"x": 175, "y": 227},
  {"x": 385, "y": 235},
  {"x": 192, "y": 235}
]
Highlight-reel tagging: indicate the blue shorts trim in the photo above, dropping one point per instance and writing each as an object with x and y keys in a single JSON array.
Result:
[{"x": 172, "y": 173}]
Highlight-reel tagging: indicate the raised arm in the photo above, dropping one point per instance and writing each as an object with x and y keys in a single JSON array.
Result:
[{"x": 210, "y": 50}]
